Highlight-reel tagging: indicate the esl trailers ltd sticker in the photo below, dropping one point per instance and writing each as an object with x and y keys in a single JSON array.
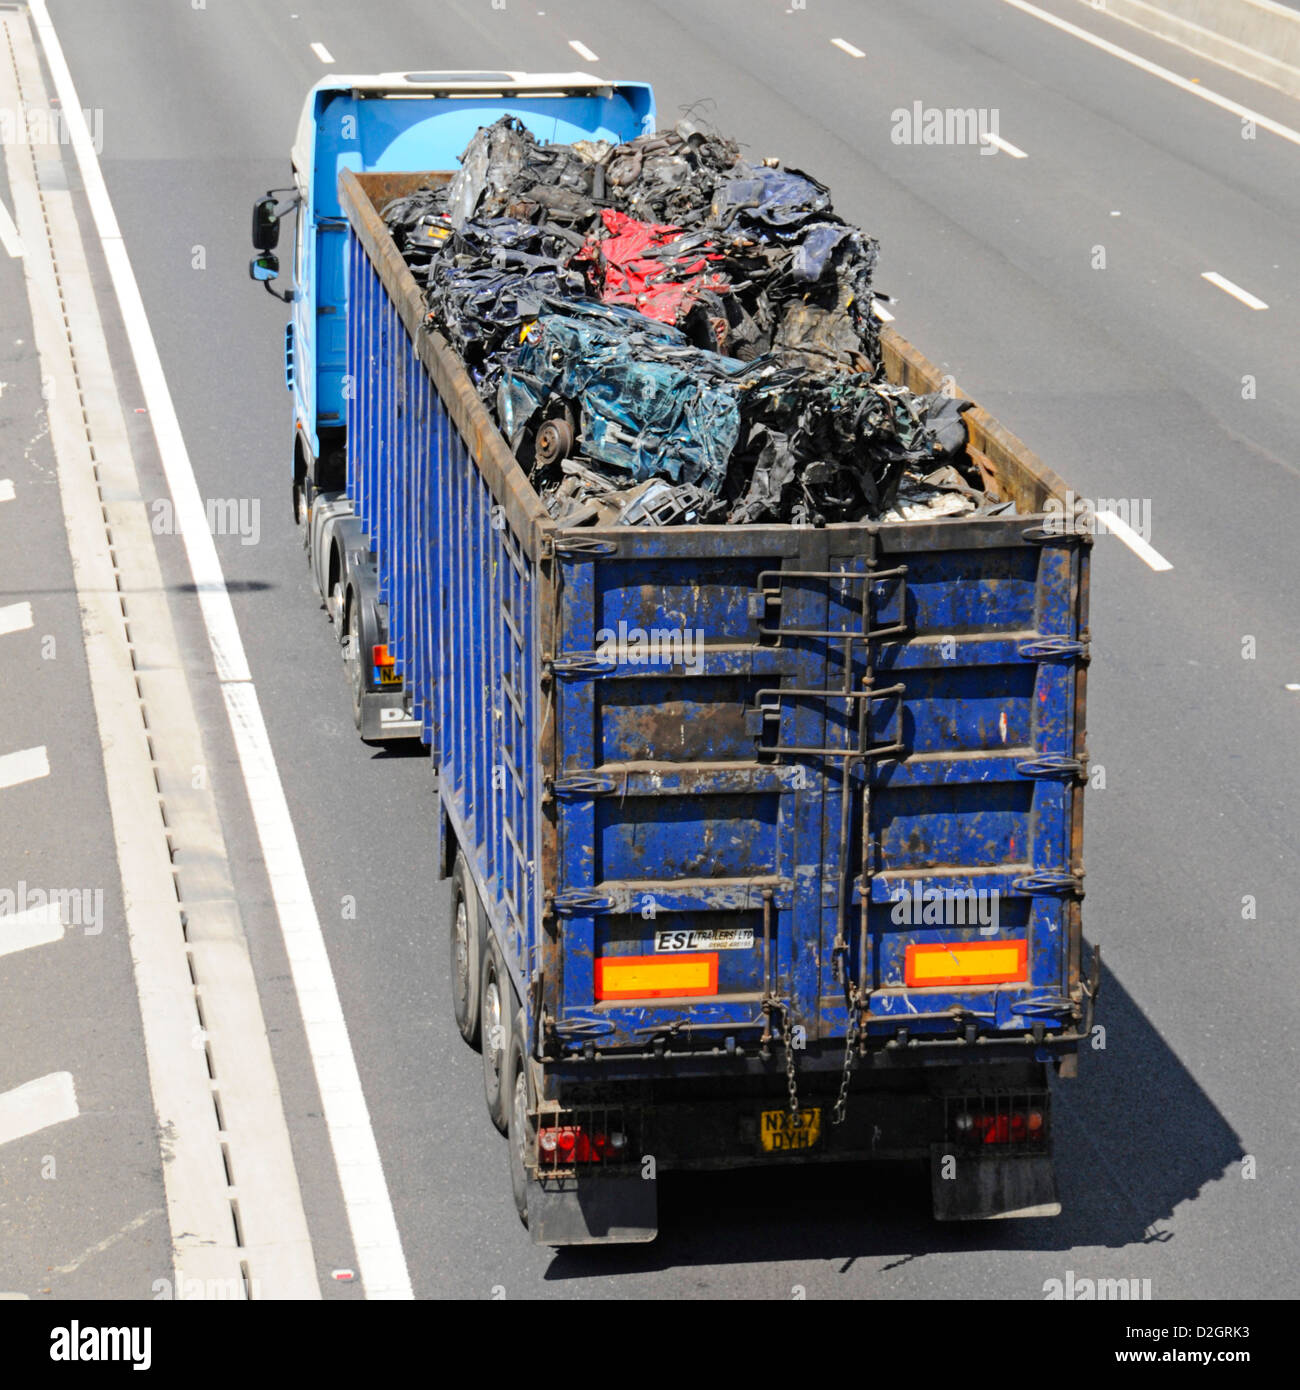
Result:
[{"x": 722, "y": 939}]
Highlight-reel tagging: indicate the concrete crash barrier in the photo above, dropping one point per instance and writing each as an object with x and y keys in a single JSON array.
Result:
[{"x": 1258, "y": 38}]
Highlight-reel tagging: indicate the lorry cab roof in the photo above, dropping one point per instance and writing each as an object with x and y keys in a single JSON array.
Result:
[{"x": 470, "y": 86}]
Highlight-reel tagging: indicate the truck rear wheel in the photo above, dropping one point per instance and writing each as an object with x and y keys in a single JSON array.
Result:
[
  {"x": 465, "y": 945},
  {"x": 338, "y": 602},
  {"x": 519, "y": 1127},
  {"x": 494, "y": 1031}
]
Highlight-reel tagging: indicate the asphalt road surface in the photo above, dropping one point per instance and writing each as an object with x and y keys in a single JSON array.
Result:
[{"x": 1066, "y": 291}]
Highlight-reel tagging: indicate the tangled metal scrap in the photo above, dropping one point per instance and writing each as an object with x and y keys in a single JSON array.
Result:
[{"x": 666, "y": 333}]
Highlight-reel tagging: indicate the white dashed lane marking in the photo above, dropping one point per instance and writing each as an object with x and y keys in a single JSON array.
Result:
[
  {"x": 1005, "y": 146},
  {"x": 24, "y": 766},
  {"x": 9, "y": 238},
  {"x": 36, "y": 926},
  {"x": 1142, "y": 549},
  {"x": 1227, "y": 286},
  {"x": 15, "y": 617},
  {"x": 49, "y": 1100}
]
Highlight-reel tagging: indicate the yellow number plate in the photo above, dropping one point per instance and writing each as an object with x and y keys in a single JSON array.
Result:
[{"x": 779, "y": 1134}]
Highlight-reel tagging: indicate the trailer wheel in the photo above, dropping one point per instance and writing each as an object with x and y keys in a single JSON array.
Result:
[
  {"x": 520, "y": 1128},
  {"x": 352, "y": 657},
  {"x": 465, "y": 943},
  {"x": 494, "y": 1031}
]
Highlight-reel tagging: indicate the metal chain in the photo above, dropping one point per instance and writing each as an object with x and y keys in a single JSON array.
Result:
[
  {"x": 787, "y": 1037},
  {"x": 850, "y": 1047}
]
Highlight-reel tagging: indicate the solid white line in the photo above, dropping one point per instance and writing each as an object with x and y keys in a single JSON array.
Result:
[
  {"x": 36, "y": 926},
  {"x": 24, "y": 766},
  {"x": 6, "y": 489},
  {"x": 845, "y": 47},
  {"x": 86, "y": 413},
  {"x": 356, "y": 1154},
  {"x": 361, "y": 1175},
  {"x": 15, "y": 617},
  {"x": 9, "y": 237},
  {"x": 1155, "y": 70},
  {"x": 881, "y": 312},
  {"x": 49, "y": 1100},
  {"x": 322, "y": 53},
  {"x": 1005, "y": 146},
  {"x": 583, "y": 51},
  {"x": 1135, "y": 543},
  {"x": 1235, "y": 291}
]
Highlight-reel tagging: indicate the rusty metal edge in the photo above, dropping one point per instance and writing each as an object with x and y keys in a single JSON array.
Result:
[
  {"x": 505, "y": 479},
  {"x": 1029, "y": 480},
  {"x": 360, "y": 197},
  {"x": 1074, "y": 964}
]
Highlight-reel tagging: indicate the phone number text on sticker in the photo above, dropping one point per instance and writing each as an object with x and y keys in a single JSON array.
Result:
[{"x": 723, "y": 939}]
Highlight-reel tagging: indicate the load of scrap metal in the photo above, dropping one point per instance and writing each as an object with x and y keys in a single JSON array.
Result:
[{"x": 666, "y": 333}]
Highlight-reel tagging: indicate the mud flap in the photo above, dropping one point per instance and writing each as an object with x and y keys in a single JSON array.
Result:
[
  {"x": 593, "y": 1211},
  {"x": 976, "y": 1187},
  {"x": 384, "y": 716},
  {"x": 383, "y": 713}
]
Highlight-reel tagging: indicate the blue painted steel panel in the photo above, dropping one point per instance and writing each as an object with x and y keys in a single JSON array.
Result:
[{"x": 605, "y": 788}]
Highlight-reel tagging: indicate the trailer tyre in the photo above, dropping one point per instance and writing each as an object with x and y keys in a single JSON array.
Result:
[
  {"x": 466, "y": 939},
  {"x": 520, "y": 1129},
  {"x": 495, "y": 1001},
  {"x": 352, "y": 656}
]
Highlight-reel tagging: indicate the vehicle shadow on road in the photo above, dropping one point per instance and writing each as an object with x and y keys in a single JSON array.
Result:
[{"x": 1135, "y": 1136}]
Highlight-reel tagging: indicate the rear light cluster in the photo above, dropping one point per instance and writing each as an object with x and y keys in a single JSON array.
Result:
[
  {"x": 384, "y": 664},
  {"x": 998, "y": 1119},
  {"x": 1018, "y": 1127},
  {"x": 560, "y": 1146}
]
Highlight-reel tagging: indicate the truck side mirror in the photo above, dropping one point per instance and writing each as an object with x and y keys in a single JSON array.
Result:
[
  {"x": 266, "y": 225},
  {"x": 265, "y": 268}
]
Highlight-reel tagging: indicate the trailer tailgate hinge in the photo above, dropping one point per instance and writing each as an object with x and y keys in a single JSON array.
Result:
[
  {"x": 581, "y": 902},
  {"x": 582, "y": 784},
  {"x": 1055, "y": 648},
  {"x": 1050, "y": 881},
  {"x": 580, "y": 664},
  {"x": 1053, "y": 765}
]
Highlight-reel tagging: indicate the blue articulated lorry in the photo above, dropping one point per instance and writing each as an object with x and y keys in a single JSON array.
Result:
[{"x": 803, "y": 887}]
